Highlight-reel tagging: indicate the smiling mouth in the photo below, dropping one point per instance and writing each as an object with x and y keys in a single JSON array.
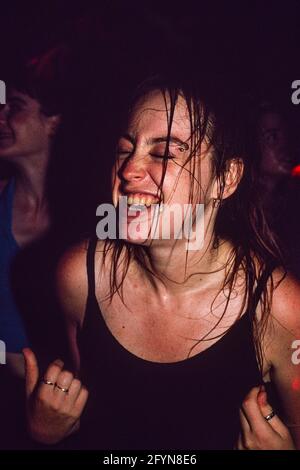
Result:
[{"x": 140, "y": 200}]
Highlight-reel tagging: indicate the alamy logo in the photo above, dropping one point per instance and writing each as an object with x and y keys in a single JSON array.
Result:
[
  {"x": 295, "y": 97},
  {"x": 2, "y": 352},
  {"x": 2, "y": 92},
  {"x": 160, "y": 221},
  {"x": 296, "y": 354}
]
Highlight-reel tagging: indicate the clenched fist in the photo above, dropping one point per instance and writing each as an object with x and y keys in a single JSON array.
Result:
[
  {"x": 261, "y": 428},
  {"x": 55, "y": 403}
]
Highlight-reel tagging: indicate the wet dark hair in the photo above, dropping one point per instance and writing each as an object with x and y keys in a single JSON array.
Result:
[{"x": 216, "y": 117}]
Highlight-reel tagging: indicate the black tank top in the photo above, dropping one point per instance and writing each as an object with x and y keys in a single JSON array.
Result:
[{"x": 139, "y": 404}]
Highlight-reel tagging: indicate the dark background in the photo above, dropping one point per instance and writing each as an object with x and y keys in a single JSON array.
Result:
[
  {"x": 252, "y": 47},
  {"x": 257, "y": 41}
]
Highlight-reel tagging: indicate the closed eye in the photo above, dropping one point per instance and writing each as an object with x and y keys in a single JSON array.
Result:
[
  {"x": 15, "y": 108},
  {"x": 122, "y": 153},
  {"x": 16, "y": 104},
  {"x": 169, "y": 156}
]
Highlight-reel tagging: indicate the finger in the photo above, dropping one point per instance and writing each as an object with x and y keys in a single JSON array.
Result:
[
  {"x": 72, "y": 396},
  {"x": 81, "y": 401},
  {"x": 244, "y": 422},
  {"x": 75, "y": 389},
  {"x": 53, "y": 371},
  {"x": 240, "y": 444},
  {"x": 62, "y": 384},
  {"x": 252, "y": 412},
  {"x": 266, "y": 409},
  {"x": 31, "y": 371}
]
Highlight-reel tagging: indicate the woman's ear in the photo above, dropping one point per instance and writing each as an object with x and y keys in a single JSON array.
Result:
[
  {"x": 233, "y": 175},
  {"x": 53, "y": 124}
]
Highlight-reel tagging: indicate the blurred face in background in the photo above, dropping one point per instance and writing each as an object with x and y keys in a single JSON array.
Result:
[
  {"x": 24, "y": 129},
  {"x": 274, "y": 145}
]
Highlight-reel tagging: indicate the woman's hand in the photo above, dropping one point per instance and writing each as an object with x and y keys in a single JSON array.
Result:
[
  {"x": 54, "y": 404},
  {"x": 256, "y": 432}
]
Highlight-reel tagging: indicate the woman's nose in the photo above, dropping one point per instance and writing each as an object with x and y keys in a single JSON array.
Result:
[{"x": 134, "y": 168}]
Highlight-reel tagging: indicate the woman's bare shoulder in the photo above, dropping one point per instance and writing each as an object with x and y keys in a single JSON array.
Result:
[
  {"x": 72, "y": 281},
  {"x": 283, "y": 334},
  {"x": 286, "y": 301},
  {"x": 283, "y": 322}
]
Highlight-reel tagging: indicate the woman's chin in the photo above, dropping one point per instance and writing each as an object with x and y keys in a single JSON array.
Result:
[{"x": 138, "y": 241}]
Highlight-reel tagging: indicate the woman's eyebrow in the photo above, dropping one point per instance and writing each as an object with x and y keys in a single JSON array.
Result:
[
  {"x": 16, "y": 99},
  {"x": 171, "y": 139}
]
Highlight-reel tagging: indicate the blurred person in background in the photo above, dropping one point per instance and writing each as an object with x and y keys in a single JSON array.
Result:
[
  {"x": 278, "y": 181},
  {"x": 29, "y": 124}
]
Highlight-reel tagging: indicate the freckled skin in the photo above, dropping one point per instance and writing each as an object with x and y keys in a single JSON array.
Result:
[
  {"x": 156, "y": 327},
  {"x": 138, "y": 167}
]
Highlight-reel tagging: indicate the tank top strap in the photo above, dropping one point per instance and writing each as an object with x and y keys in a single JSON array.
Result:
[{"x": 90, "y": 266}]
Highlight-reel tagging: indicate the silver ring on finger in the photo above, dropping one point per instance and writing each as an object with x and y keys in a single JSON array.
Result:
[
  {"x": 270, "y": 415},
  {"x": 47, "y": 382},
  {"x": 63, "y": 389}
]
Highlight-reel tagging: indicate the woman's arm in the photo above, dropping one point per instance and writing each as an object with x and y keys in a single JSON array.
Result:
[
  {"x": 280, "y": 346},
  {"x": 56, "y": 400},
  {"x": 72, "y": 291},
  {"x": 283, "y": 341}
]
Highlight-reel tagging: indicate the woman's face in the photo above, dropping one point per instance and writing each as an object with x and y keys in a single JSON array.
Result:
[
  {"x": 139, "y": 169},
  {"x": 273, "y": 142},
  {"x": 24, "y": 129}
]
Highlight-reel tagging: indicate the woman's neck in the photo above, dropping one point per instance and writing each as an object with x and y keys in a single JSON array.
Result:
[
  {"x": 178, "y": 271},
  {"x": 30, "y": 186}
]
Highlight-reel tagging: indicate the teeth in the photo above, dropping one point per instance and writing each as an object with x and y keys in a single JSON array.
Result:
[{"x": 141, "y": 201}]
